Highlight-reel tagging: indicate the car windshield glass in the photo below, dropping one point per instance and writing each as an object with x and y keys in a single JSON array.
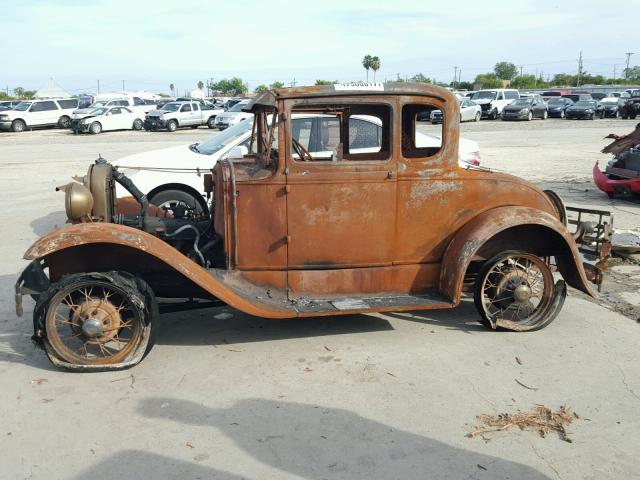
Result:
[
  {"x": 98, "y": 111},
  {"x": 22, "y": 106},
  {"x": 237, "y": 107},
  {"x": 556, "y": 101},
  {"x": 100, "y": 103},
  {"x": 585, "y": 104},
  {"x": 171, "y": 107},
  {"x": 227, "y": 137},
  {"x": 523, "y": 101},
  {"x": 481, "y": 95}
]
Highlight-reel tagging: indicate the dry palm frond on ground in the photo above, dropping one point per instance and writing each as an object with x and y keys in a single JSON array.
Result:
[{"x": 541, "y": 419}]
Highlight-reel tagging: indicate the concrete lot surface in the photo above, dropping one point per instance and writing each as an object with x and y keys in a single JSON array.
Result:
[{"x": 227, "y": 396}]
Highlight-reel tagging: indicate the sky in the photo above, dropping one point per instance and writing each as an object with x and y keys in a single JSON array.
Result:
[{"x": 150, "y": 44}]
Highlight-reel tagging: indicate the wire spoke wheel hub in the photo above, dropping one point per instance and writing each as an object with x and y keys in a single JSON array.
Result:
[
  {"x": 93, "y": 323},
  {"x": 515, "y": 291}
]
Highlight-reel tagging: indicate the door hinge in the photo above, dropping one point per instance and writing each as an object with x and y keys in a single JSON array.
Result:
[{"x": 286, "y": 171}]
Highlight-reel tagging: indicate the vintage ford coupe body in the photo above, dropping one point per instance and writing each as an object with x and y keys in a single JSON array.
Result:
[{"x": 391, "y": 228}]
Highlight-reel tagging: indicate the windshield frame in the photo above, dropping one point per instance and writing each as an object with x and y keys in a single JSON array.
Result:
[
  {"x": 24, "y": 109},
  {"x": 103, "y": 111},
  {"x": 177, "y": 106},
  {"x": 485, "y": 95},
  {"x": 522, "y": 102},
  {"x": 237, "y": 107},
  {"x": 224, "y": 139}
]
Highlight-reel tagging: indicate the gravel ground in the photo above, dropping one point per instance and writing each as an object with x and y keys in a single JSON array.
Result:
[{"x": 225, "y": 395}]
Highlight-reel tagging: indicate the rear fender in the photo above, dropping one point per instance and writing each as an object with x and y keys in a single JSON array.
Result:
[
  {"x": 478, "y": 233},
  {"x": 97, "y": 234}
]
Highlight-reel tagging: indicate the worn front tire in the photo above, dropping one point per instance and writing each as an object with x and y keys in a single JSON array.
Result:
[
  {"x": 514, "y": 290},
  {"x": 97, "y": 321}
]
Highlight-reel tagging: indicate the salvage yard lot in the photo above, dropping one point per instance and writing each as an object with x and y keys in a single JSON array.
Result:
[{"x": 225, "y": 395}]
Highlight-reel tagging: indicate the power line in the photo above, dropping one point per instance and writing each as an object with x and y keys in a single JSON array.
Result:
[
  {"x": 626, "y": 72},
  {"x": 579, "y": 68}
]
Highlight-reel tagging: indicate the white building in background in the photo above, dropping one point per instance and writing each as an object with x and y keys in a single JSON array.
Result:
[
  {"x": 51, "y": 89},
  {"x": 197, "y": 94},
  {"x": 143, "y": 94}
]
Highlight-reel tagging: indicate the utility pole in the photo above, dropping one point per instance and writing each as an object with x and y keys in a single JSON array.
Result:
[
  {"x": 579, "y": 68},
  {"x": 455, "y": 76},
  {"x": 123, "y": 85},
  {"x": 98, "y": 85},
  {"x": 459, "y": 75},
  {"x": 626, "y": 72},
  {"x": 293, "y": 83},
  {"x": 521, "y": 70}
]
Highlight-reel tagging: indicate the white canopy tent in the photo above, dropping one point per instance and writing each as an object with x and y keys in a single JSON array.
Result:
[{"x": 51, "y": 90}]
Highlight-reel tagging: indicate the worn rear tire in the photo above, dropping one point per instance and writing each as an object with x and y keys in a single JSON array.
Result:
[{"x": 515, "y": 310}]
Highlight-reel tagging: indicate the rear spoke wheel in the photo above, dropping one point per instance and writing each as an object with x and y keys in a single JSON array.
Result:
[{"x": 515, "y": 290}]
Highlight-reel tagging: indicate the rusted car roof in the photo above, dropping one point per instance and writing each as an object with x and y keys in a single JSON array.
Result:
[{"x": 267, "y": 100}]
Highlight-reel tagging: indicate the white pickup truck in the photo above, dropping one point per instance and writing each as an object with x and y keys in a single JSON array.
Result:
[{"x": 174, "y": 115}]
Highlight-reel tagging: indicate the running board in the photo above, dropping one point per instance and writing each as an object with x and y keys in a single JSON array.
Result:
[{"x": 393, "y": 302}]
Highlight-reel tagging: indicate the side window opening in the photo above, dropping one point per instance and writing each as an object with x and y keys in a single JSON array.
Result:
[
  {"x": 342, "y": 133},
  {"x": 420, "y": 140}
]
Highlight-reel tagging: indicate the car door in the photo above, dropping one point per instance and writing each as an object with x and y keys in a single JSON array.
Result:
[
  {"x": 341, "y": 202},
  {"x": 111, "y": 119},
  {"x": 124, "y": 120},
  {"x": 186, "y": 115},
  {"x": 196, "y": 114},
  {"x": 466, "y": 111},
  {"x": 45, "y": 112},
  {"x": 500, "y": 101}
]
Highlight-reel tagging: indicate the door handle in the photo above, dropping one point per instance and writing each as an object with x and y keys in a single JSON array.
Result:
[{"x": 389, "y": 174}]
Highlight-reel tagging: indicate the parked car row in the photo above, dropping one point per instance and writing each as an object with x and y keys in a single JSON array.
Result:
[{"x": 510, "y": 104}]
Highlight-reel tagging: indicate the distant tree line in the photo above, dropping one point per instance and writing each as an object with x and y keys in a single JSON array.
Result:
[{"x": 507, "y": 71}]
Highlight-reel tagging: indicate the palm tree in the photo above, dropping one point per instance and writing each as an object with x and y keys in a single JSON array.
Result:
[
  {"x": 172, "y": 87},
  {"x": 200, "y": 85},
  {"x": 375, "y": 66},
  {"x": 366, "y": 63}
]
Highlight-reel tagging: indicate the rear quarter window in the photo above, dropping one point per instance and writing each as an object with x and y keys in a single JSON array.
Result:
[
  {"x": 44, "y": 106},
  {"x": 67, "y": 104},
  {"x": 424, "y": 143}
]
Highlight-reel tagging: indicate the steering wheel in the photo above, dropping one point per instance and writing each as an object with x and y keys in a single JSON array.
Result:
[{"x": 301, "y": 151}]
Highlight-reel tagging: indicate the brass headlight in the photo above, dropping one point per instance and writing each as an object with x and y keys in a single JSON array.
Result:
[{"x": 78, "y": 201}]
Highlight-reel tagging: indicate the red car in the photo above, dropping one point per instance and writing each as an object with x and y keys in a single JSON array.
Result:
[
  {"x": 621, "y": 176},
  {"x": 612, "y": 185}
]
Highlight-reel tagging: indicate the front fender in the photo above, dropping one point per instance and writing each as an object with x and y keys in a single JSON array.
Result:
[
  {"x": 73, "y": 236},
  {"x": 473, "y": 235}
]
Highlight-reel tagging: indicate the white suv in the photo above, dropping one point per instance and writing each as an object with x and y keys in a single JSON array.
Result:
[
  {"x": 38, "y": 113},
  {"x": 494, "y": 100}
]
